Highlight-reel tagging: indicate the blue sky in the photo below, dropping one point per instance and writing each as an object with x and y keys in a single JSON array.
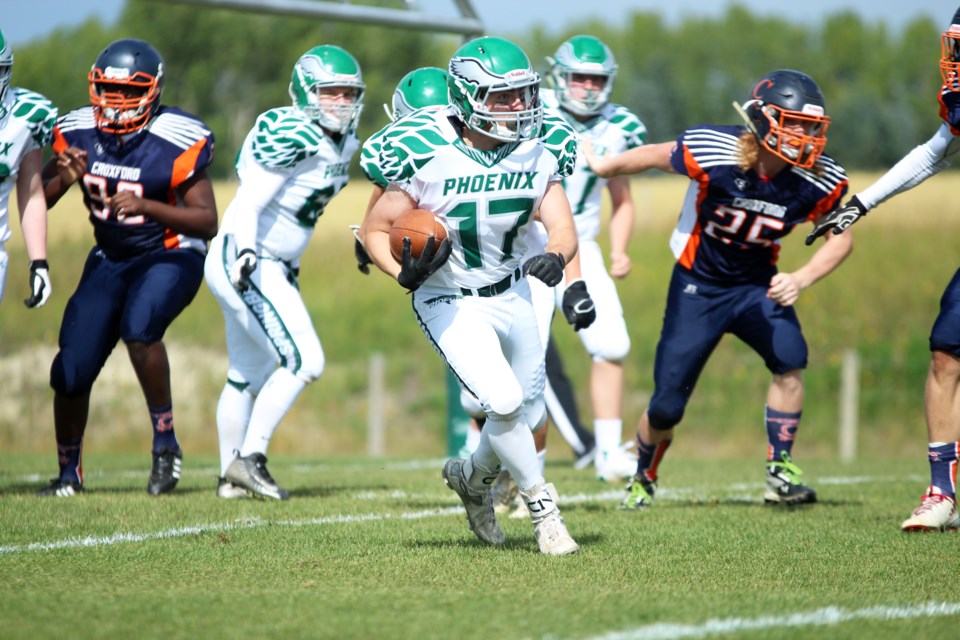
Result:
[{"x": 25, "y": 20}]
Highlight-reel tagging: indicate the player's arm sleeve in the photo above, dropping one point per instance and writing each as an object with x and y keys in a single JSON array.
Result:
[{"x": 924, "y": 161}]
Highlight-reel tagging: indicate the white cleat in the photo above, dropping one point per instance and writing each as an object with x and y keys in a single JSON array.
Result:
[
  {"x": 549, "y": 528},
  {"x": 936, "y": 512}
]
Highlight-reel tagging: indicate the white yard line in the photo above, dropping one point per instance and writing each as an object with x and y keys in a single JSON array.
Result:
[
  {"x": 818, "y": 617},
  {"x": 243, "y": 523},
  {"x": 607, "y": 496}
]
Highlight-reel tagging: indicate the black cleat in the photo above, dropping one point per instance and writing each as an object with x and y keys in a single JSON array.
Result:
[
  {"x": 165, "y": 472},
  {"x": 60, "y": 489}
]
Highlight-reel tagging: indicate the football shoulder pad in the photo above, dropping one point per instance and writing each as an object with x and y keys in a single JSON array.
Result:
[
  {"x": 411, "y": 142},
  {"x": 559, "y": 139},
  {"x": 37, "y": 112},
  {"x": 633, "y": 129},
  {"x": 285, "y": 137}
]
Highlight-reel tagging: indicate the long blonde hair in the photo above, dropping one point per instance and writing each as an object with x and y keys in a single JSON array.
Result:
[{"x": 748, "y": 152}]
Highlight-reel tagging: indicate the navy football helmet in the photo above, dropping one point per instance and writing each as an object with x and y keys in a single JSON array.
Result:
[
  {"x": 787, "y": 113},
  {"x": 125, "y": 85}
]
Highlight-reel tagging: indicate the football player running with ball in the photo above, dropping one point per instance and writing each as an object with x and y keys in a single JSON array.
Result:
[
  {"x": 26, "y": 126},
  {"x": 486, "y": 165},
  {"x": 583, "y": 71},
  {"x": 292, "y": 163},
  {"x": 142, "y": 169},
  {"x": 938, "y": 505},
  {"x": 750, "y": 186}
]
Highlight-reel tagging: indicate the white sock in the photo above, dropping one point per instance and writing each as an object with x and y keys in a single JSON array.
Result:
[
  {"x": 273, "y": 402},
  {"x": 473, "y": 438},
  {"x": 513, "y": 444},
  {"x": 542, "y": 460},
  {"x": 233, "y": 413},
  {"x": 608, "y": 434}
]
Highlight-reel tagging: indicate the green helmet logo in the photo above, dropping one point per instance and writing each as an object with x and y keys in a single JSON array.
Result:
[
  {"x": 487, "y": 66},
  {"x": 585, "y": 56},
  {"x": 325, "y": 67},
  {"x": 6, "y": 67},
  {"x": 423, "y": 87}
]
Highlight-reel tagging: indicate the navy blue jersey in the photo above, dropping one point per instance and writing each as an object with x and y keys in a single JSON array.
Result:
[
  {"x": 152, "y": 162},
  {"x": 732, "y": 220}
]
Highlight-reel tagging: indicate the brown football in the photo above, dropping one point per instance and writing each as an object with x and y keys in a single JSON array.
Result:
[{"x": 418, "y": 225}]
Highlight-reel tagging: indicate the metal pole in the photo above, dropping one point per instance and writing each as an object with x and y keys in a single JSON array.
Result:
[
  {"x": 849, "y": 405},
  {"x": 376, "y": 446}
]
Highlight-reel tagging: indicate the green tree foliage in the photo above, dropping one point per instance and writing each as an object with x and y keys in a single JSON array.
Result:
[{"x": 228, "y": 66}]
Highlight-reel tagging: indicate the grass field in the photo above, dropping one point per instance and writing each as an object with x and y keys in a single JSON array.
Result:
[{"x": 380, "y": 549}]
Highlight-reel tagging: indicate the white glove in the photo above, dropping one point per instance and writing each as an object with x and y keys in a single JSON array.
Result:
[
  {"x": 240, "y": 271},
  {"x": 40, "y": 288}
]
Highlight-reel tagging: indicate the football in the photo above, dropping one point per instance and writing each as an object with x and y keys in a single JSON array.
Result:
[{"x": 418, "y": 225}]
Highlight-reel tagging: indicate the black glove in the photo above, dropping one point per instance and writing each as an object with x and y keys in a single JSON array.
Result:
[
  {"x": 413, "y": 271},
  {"x": 363, "y": 260},
  {"x": 546, "y": 267},
  {"x": 578, "y": 306},
  {"x": 839, "y": 219},
  {"x": 245, "y": 264},
  {"x": 40, "y": 288}
]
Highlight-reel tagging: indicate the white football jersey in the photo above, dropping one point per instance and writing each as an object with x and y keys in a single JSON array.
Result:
[
  {"x": 486, "y": 198},
  {"x": 614, "y": 130},
  {"x": 315, "y": 166},
  {"x": 26, "y": 124}
]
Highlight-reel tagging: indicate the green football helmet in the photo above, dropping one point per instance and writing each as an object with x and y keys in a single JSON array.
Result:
[
  {"x": 423, "y": 87},
  {"x": 322, "y": 67},
  {"x": 6, "y": 66},
  {"x": 486, "y": 66},
  {"x": 583, "y": 55}
]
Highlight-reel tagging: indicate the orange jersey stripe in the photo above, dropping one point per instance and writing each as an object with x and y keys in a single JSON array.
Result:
[
  {"x": 59, "y": 142},
  {"x": 185, "y": 164}
]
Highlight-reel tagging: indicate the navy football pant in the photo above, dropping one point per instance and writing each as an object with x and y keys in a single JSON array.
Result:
[
  {"x": 945, "y": 335},
  {"x": 697, "y": 316},
  {"x": 132, "y": 300}
]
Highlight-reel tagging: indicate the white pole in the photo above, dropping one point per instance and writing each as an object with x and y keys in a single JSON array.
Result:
[
  {"x": 849, "y": 405},
  {"x": 375, "y": 429}
]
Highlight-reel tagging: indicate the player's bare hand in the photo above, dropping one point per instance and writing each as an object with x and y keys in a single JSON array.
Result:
[
  {"x": 620, "y": 265},
  {"x": 71, "y": 165},
  {"x": 596, "y": 163},
  {"x": 125, "y": 204},
  {"x": 784, "y": 289}
]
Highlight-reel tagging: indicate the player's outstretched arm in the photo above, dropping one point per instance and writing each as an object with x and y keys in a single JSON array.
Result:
[
  {"x": 838, "y": 220},
  {"x": 632, "y": 161}
]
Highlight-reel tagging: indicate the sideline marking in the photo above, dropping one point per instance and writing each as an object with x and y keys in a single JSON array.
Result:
[
  {"x": 818, "y": 617},
  {"x": 243, "y": 523}
]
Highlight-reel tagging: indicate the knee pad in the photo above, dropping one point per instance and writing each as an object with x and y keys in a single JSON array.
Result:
[
  {"x": 609, "y": 343},
  {"x": 69, "y": 379},
  {"x": 471, "y": 406},
  {"x": 506, "y": 405},
  {"x": 665, "y": 415},
  {"x": 311, "y": 367},
  {"x": 535, "y": 415}
]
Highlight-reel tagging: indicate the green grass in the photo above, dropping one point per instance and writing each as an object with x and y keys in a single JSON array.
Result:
[{"x": 369, "y": 549}]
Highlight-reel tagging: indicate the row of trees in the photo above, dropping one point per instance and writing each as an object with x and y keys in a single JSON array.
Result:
[{"x": 227, "y": 66}]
